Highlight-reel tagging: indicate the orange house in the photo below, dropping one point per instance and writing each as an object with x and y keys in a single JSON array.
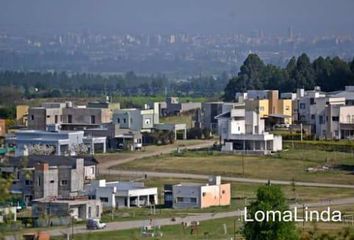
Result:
[
  {"x": 2, "y": 128},
  {"x": 215, "y": 195},
  {"x": 195, "y": 195}
]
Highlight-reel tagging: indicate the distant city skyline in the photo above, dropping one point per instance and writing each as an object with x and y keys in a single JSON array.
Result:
[{"x": 272, "y": 17}]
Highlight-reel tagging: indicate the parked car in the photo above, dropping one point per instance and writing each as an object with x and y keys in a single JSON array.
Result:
[{"x": 94, "y": 223}]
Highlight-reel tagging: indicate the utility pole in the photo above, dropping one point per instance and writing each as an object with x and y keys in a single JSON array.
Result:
[
  {"x": 72, "y": 227},
  {"x": 243, "y": 158}
]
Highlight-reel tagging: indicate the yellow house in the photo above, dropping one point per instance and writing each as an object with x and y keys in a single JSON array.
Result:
[
  {"x": 260, "y": 106},
  {"x": 285, "y": 107},
  {"x": 22, "y": 114}
]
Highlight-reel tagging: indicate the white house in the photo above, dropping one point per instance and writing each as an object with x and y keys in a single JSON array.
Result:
[
  {"x": 63, "y": 142},
  {"x": 122, "y": 194},
  {"x": 140, "y": 120},
  {"x": 243, "y": 131}
]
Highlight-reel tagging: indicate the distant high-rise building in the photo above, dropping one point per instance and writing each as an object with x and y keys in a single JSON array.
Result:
[
  {"x": 172, "y": 39},
  {"x": 290, "y": 33}
]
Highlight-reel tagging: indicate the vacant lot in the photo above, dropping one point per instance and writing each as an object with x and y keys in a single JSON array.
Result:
[
  {"x": 110, "y": 159},
  {"x": 287, "y": 165}
]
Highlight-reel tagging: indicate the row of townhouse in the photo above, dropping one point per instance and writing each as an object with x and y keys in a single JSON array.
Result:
[
  {"x": 327, "y": 115},
  {"x": 98, "y": 126},
  {"x": 266, "y": 103}
]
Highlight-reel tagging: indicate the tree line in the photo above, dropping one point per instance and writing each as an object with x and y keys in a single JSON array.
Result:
[
  {"x": 330, "y": 74},
  {"x": 54, "y": 84}
]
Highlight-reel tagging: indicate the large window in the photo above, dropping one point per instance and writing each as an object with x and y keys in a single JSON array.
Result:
[
  {"x": 28, "y": 182},
  {"x": 321, "y": 119},
  {"x": 193, "y": 200},
  {"x": 89, "y": 212},
  {"x": 70, "y": 118},
  {"x": 335, "y": 118},
  {"x": 64, "y": 182},
  {"x": 104, "y": 199},
  {"x": 93, "y": 119}
]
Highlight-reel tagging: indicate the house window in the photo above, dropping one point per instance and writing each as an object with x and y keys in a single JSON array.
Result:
[
  {"x": 104, "y": 199},
  {"x": 312, "y": 116},
  {"x": 118, "y": 120},
  {"x": 97, "y": 211},
  {"x": 56, "y": 118},
  {"x": 321, "y": 119},
  {"x": 51, "y": 181},
  {"x": 302, "y": 106},
  {"x": 204, "y": 194},
  {"x": 93, "y": 170},
  {"x": 64, "y": 182},
  {"x": 180, "y": 199},
  {"x": 89, "y": 212},
  {"x": 312, "y": 101},
  {"x": 32, "y": 117},
  {"x": 124, "y": 120},
  {"x": 193, "y": 200},
  {"x": 28, "y": 182},
  {"x": 335, "y": 118},
  {"x": 39, "y": 181},
  {"x": 70, "y": 118},
  {"x": 93, "y": 119}
]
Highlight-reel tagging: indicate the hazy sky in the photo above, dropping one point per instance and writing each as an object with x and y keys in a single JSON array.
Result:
[{"x": 165, "y": 16}]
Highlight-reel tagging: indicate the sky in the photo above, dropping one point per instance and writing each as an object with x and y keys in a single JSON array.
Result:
[{"x": 168, "y": 16}]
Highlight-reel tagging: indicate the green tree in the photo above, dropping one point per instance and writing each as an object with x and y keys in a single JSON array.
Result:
[
  {"x": 249, "y": 77},
  {"x": 5, "y": 185},
  {"x": 270, "y": 198},
  {"x": 304, "y": 75}
]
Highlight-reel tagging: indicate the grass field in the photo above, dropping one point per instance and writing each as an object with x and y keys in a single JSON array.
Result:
[
  {"x": 287, "y": 165},
  {"x": 101, "y": 157}
]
